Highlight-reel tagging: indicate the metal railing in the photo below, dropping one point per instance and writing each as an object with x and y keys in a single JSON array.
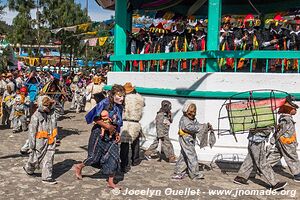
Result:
[{"x": 196, "y": 61}]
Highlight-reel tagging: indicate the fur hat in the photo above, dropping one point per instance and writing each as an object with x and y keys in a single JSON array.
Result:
[
  {"x": 128, "y": 87},
  {"x": 186, "y": 106},
  {"x": 47, "y": 101},
  {"x": 289, "y": 102}
]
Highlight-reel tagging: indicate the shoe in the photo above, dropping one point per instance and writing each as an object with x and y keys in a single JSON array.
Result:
[
  {"x": 28, "y": 173},
  {"x": 200, "y": 176},
  {"x": 297, "y": 178},
  {"x": 279, "y": 186},
  {"x": 172, "y": 159},
  {"x": 178, "y": 176},
  {"x": 125, "y": 169},
  {"x": 57, "y": 143},
  {"x": 24, "y": 152},
  {"x": 50, "y": 181},
  {"x": 240, "y": 180}
]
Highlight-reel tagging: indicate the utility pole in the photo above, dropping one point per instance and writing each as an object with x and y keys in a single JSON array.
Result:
[
  {"x": 38, "y": 15},
  {"x": 87, "y": 7}
]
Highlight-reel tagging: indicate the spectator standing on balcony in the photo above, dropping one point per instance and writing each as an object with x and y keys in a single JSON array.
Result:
[
  {"x": 163, "y": 121},
  {"x": 248, "y": 38},
  {"x": 295, "y": 41},
  {"x": 276, "y": 38},
  {"x": 226, "y": 43},
  {"x": 198, "y": 43},
  {"x": 131, "y": 130}
]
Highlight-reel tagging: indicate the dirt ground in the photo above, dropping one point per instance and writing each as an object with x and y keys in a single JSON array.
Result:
[{"x": 150, "y": 180}]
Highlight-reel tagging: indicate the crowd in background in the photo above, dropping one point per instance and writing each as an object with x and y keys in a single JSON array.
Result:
[{"x": 247, "y": 33}]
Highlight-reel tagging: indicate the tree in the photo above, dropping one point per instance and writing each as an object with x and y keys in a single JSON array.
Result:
[
  {"x": 63, "y": 13},
  {"x": 1, "y": 9},
  {"x": 22, "y": 24}
]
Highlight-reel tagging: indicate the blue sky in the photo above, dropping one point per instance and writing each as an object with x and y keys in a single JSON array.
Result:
[{"x": 96, "y": 12}]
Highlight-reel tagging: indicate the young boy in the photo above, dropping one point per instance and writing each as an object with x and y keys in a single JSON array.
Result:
[
  {"x": 42, "y": 136},
  {"x": 188, "y": 128},
  {"x": 285, "y": 140},
  {"x": 163, "y": 121}
]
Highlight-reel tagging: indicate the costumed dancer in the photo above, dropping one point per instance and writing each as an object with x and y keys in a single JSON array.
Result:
[
  {"x": 80, "y": 97},
  {"x": 160, "y": 44},
  {"x": 198, "y": 43},
  {"x": 92, "y": 90},
  {"x": 180, "y": 44},
  {"x": 247, "y": 39},
  {"x": 163, "y": 121},
  {"x": 7, "y": 103},
  {"x": 19, "y": 113},
  {"x": 2, "y": 90},
  {"x": 187, "y": 162},
  {"x": 104, "y": 152},
  {"x": 276, "y": 38},
  {"x": 131, "y": 130},
  {"x": 42, "y": 136},
  {"x": 295, "y": 40},
  {"x": 256, "y": 157},
  {"x": 226, "y": 43},
  {"x": 285, "y": 140}
]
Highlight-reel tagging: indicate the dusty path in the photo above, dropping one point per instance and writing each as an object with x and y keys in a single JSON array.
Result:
[{"x": 150, "y": 180}]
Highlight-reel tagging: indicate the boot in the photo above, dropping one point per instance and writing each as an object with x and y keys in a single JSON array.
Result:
[
  {"x": 78, "y": 169},
  {"x": 172, "y": 159}
]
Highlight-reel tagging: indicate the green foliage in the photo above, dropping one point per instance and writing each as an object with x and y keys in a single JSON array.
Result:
[{"x": 23, "y": 31}]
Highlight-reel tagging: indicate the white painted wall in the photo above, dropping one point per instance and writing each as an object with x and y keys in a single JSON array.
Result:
[{"x": 207, "y": 110}]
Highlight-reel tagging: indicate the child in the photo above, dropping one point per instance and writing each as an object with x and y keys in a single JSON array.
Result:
[
  {"x": 105, "y": 118},
  {"x": 42, "y": 136},
  {"x": 163, "y": 121},
  {"x": 285, "y": 140},
  {"x": 188, "y": 128}
]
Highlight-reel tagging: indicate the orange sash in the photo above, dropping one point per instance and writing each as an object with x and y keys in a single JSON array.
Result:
[
  {"x": 44, "y": 134},
  {"x": 288, "y": 140}
]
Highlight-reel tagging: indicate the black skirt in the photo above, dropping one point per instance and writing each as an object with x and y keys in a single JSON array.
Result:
[{"x": 103, "y": 153}]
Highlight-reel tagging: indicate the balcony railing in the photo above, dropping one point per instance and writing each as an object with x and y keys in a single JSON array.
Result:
[{"x": 286, "y": 61}]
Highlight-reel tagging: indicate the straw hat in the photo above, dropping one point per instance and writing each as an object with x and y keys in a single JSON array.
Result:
[
  {"x": 9, "y": 75},
  {"x": 96, "y": 79},
  {"x": 128, "y": 88}
]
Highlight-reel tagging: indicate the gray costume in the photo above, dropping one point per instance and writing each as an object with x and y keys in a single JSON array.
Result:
[
  {"x": 79, "y": 99},
  {"x": 257, "y": 156},
  {"x": 19, "y": 114},
  {"x": 188, "y": 160},
  {"x": 42, "y": 148},
  {"x": 287, "y": 149},
  {"x": 163, "y": 122},
  {"x": 7, "y": 103}
]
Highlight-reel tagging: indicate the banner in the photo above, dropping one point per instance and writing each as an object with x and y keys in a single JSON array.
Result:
[
  {"x": 93, "y": 42},
  {"x": 102, "y": 40}
]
